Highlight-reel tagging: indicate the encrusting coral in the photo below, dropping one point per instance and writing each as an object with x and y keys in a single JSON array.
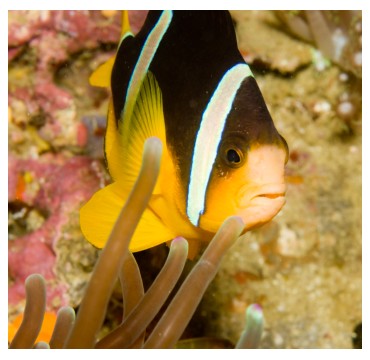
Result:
[{"x": 139, "y": 309}]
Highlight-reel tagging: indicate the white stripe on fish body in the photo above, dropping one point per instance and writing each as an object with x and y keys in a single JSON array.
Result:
[
  {"x": 145, "y": 58},
  {"x": 209, "y": 137}
]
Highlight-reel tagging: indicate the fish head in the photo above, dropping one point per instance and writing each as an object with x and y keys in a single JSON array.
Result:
[
  {"x": 253, "y": 188},
  {"x": 247, "y": 179}
]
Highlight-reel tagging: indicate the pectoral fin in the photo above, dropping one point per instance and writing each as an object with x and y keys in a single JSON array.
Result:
[
  {"x": 98, "y": 216},
  {"x": 150, "y": 232},
  {"x": 125, "y": 141}
]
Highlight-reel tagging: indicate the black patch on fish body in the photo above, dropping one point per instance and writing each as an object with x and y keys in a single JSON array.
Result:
[
  {"x": 250, "y": 117},
  {"x": 124, "y": 64},
  {"x": 248, "y": 123},
  {"x": 196, "y": 51}
]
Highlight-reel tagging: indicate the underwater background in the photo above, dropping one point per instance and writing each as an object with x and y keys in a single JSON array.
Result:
[{"x": 303, "y": 268}]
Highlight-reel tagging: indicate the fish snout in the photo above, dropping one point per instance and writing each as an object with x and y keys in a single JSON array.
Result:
[
  {"x": 260, "y": 205},
  {"x": 263, "y": 194}
]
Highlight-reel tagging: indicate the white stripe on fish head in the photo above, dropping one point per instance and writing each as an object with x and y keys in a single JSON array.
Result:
[{"x": 209, "y": 137}]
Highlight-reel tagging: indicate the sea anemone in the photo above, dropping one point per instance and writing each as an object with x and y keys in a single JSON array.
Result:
[{"x": 139, "y": 309}]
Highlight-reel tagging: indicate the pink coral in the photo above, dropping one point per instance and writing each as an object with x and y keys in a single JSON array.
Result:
[
  {"x": 49, "y": 38},
  {"x": 58, "y": 182},
  {"x": 45, "y": 111}
]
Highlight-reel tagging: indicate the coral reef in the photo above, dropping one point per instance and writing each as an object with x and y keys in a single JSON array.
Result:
[
  {"x": 42, "y": 44},
  {"x": 49, "y": 129},
  {"x": 44, "y": 197},
  {"x": 51, "y": 37}
]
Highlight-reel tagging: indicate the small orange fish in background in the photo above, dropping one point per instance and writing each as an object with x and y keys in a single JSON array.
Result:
[
  {"x": 23, "y": 179},
  {"x": 20, "y": 187},
  {"x": 46, "y": 329},
  {"x": 183, "y": 80}
]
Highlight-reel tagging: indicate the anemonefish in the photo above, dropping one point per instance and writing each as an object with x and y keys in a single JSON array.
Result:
[{"x": 183, "y": 80}]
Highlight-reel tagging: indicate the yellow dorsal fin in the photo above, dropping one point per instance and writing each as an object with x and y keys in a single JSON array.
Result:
[
  {"x": 125, "y": 27},
  {"x": 101, "y": 76},
  {"x": 124, "y": 146}
]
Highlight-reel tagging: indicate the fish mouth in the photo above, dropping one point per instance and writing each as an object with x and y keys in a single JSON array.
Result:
[
  {"x": 261, "y": 204},
  {"x": 255, "y": 204},
  {"x": 266, "y": 197},
  {"x": 261, "y": 195},
  {"x": 270, "y": 196}
]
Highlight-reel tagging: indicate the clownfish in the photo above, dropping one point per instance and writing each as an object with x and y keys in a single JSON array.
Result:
[{"x": 182, "y": 79}]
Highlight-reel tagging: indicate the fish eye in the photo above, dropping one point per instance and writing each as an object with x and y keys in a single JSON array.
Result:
[{"x": 234, "y": 157}]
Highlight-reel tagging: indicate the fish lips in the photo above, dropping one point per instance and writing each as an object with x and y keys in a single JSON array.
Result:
[
  {"x": 260, "y": 195},
  {"x": 256, "y": 205},
  {"x": 260, "y": 205}
]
